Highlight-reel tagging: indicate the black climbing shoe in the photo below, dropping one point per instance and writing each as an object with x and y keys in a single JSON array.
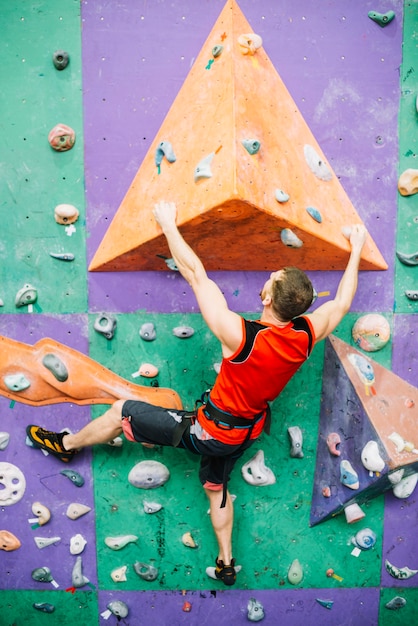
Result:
[
  {"x": 49, "y": 441},
  {"x": 226, "y": 573}
]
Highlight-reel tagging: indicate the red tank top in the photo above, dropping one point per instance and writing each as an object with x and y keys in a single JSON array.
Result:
[{"x": 258, "y": 371}]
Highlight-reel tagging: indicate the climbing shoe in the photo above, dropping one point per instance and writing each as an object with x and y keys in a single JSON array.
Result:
[
  {"x": 226, "y": 573},
  {"x": 49, "y": 441}
]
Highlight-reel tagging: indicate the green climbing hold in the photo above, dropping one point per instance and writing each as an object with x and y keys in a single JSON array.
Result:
[
  {"x": 56, "y": 367},
  {"x": 383, "y": 19}
]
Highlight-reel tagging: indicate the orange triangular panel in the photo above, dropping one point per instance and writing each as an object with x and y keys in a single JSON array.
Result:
[{"x": 232, "y": 218}]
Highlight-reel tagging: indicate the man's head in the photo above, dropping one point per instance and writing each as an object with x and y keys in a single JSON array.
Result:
[{"x": 289, "y": 292}]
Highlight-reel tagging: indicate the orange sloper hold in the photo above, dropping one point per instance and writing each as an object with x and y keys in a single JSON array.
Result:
[
  {"x": 84, "y": 380},
  {"x": 231, "y": 217}
]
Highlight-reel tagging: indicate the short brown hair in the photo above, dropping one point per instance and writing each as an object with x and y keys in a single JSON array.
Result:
[{"x": 292, "y": 294}]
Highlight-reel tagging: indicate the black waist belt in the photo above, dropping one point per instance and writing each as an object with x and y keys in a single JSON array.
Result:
[{"x": 227, "y": 421}]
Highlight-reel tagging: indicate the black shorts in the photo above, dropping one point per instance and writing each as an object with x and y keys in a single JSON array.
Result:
[{"x": 146, "y": 423}]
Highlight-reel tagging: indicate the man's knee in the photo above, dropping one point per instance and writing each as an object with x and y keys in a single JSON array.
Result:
[{"x": 116, "y": 409}]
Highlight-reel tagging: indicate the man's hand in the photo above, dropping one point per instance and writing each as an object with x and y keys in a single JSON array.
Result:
[
  {"x": 357, "y": 235},
  {"x": 165, "y": 213}
]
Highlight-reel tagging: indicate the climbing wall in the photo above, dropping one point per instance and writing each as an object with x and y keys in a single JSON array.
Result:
[{"x": 350, "y": 83}]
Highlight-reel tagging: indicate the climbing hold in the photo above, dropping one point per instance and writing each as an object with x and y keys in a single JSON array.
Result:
[
  {"x": 118, "y": 608},
  {"x": 117, "y": 442},
  {"x": 42, "y": 575},
  {"x": 296, "y": 441},
  {"x": 187, "y": 606},
  {"x": 74, "y": 476},
  {"x": 334, "y": 440},
  {"x": 250, "y": 43},
  {"x": 61, "y": 138},
  {"x": 117, "y": 543},
  {"x": 148, "y": 475},
  {"x": 364, "y": 539},
  {"x": 147, "y": 332},
  {"x": 145, "y": 571},
  {"x": 348, "y": 476},
  {"x": 164, "y": 149},
  {"x": 169, "y": 262},
  {"x": 188, "y": 540},
  {"x": 12, "y": 484},
  {"x": 77, "y": 577},
  {"x": 60, "y": 59},
  {"x": 401, "y": 573},
  {"x": 353, "y": 513},
  {"x": 152, "y": 507},
  {"x": 77, "y": 544},
  {"x": 371, "y": 332},
  {"x": 408, "y": 182},
  {"x": 281, "y": 196},
  {"x": 412, "y": 295},
  {"x": 295, "y": 573},
  {"x": 45, "y": 607},
  {"x": 400, "y": 443},
  {"x": 408, "y": 259},
  {"x": 66, "y": 214},
  {"x": 383, "y": 19},
  {"x": 396, "y": 476},
  {"x": 4, "y": 440},
  {"x": 62, "y": 256},
  {"x": 148, "y": 370},
  {"x": 217, "y": 50},
  {"x": 325, "y": 603},
  {"x": 8, "y": 541},
  {"x": 256, "y": 473},
  {"x": 405, "y": 487},
  {"x": 255, "y": 610},
  {"x": 202, "y": 169},
  {"x": 326, "y": 491},
  {"x": 316, "y": 164},
  {"x": 331, "y": 574},
  {"x": 118, "y": 575},
  {"x": 44, "y": 542},
  {"x": 252, "y": 146},
  {"x": 365, "y": 371},
  {"x": 16, "y": 382},
  {"x": 76, "y": 510},
  {"x": 370, "y": 457},
  {"x": 183, "y": 332},
  {"x": 105, "y": 324},
  {"x": 396, "y": 603},
  {"x": 26, "y": 295},
  {"x": 56, "y": 367},
  {"x": 42, "y": 513},
  {"x": 314, "y": 213},
  {"x": 289, "y": 239}
]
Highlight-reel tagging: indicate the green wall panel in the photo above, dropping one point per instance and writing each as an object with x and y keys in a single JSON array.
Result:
[{"x": 34, "y": 97}]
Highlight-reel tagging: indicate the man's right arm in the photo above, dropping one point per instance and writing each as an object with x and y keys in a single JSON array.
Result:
[{"x": 327, "y": 317}]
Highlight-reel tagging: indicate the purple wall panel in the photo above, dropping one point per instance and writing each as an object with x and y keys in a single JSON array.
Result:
[
  {"x": 342, "y": 70},
  {"x": 44, "y": 482},
  {"x": 291, "y": 607}
]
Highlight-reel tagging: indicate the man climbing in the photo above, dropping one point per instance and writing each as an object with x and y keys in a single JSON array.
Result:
[{"x": 235, "y": 412}]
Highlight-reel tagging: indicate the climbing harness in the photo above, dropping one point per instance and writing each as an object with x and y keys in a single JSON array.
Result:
[{"x": 227, "y": 421}]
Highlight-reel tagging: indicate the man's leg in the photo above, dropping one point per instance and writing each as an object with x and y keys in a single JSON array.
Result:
[
  {"x": 64, "y": 444},
  {"x": 100, "y": 430},
  {"x": 222, "y": 522}
]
